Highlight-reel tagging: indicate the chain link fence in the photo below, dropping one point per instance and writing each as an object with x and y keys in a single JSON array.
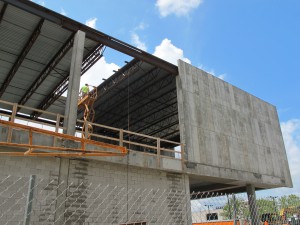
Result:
[
  {"x": 36, "y": 200},
  {"x": 237, "y": 209}
]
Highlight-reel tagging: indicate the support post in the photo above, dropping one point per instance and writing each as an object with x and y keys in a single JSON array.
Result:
[
  {"x": 74, "y": 82},
  {"x": 86, "y": 129},
  {"x": 29, "y": 200},
  {"x": 69, "y": 123},
  {"x": 234, "y": 209},
  {"x": 229, "y": 207},
  {"x": 56, "y": 129},
  {"x": 158, "y": 152},
  {"x": 121, "y": 137},
  {"x": 12, "y": 119},
  {"x": 182, "y": 156},
  {"x": 188, "y": 207},
  {"x": 252, "y": 204}
]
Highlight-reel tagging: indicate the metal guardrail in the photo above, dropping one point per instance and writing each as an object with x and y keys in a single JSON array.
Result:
[{"x": 52, "y": 124}]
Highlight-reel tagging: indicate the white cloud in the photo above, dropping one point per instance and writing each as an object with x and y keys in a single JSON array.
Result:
[
  {"x": 167, "y": 51},
  {"x": 42, "y": 3},
  {"x": 91, "y": 22},
  {"x": 101, "y": 70},
  {"x": 222, "y": 76},
  {"x": 178, "y": 7},
  {"x": 63, "y": 12},
  {"x": 135, "y": 39},
  {"x": 141, "y": 26},
  {"x": 212, "y": 72},
  {"x": 291, "y": 135},
  {"x": 291, "y": 132}
]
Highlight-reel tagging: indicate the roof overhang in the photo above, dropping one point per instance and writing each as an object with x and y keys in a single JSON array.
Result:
[{"x": 35, "y": 54}]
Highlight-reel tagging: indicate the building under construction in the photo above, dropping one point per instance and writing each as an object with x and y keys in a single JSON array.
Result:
[{"x": 151, "y": 124}]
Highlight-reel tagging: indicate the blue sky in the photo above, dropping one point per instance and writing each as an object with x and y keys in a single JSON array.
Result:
[{"x": 252, "y": 44}]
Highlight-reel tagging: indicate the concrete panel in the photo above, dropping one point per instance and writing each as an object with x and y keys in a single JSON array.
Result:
[
  {"x": 229, "y": 133},
  {"x": 3, "y": 134},
  {"x": 171, "y": 164}
]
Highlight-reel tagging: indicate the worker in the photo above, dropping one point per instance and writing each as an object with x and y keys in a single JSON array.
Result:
[{"x": 84, "y": 90}]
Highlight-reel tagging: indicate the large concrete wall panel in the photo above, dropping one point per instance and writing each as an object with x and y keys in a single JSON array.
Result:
[{"x": 233, "y": 133}]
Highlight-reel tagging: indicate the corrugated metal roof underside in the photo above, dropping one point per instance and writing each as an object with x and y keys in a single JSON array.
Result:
[
  {"x": 16, "y": 28},
  {"x": 146, "y": 102}
]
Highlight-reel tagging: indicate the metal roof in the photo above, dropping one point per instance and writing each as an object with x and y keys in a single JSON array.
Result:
[
  {"x": 142, "y": 98},
  {"x": 35, "y": 57},
  {"x": 35, "y": 54}
]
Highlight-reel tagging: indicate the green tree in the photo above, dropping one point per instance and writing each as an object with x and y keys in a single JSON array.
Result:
[
  {"x": 266, "y": 205},
  {"x": 241, "y": 206},
  {"x": 289, "y": 205},
  {"x": 289, "y": 201}
]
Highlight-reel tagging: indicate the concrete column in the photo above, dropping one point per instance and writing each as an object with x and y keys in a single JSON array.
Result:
[
  {"x": 252, "y": 204},
  {"x": 74, "y": 82},
  {"x": 69, "y": 123},
  {"x": 186, "y": 181},
  {"x": 61, "y": 195}
]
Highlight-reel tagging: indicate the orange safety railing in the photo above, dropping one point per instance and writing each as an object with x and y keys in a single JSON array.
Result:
[
  {"x": 222, "y": 222},
  {"x": 50, "y": 124}
]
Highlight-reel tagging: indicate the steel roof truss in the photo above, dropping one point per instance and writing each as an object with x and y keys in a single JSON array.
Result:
[
  {"x": 148, "y": 108},
  {"x": 47, "y": 70},
  {"x": 94, "y": 35},
  {"x": 136, "y": 96},
  {"x": 150, "y": 113},
  {"x": 87, "y": 63},
  {"x": 122, "y": 92},
  {"x": 92, "y": 58},
  {"x": 3, "y": 11},
  {"x": 113, "y": 81}
]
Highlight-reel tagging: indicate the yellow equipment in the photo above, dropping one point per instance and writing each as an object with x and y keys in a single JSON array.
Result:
[{"x": 87, "y": 104}]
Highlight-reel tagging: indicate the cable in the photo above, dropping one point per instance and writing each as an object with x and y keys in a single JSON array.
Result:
[{"x": 128, "y": 127}]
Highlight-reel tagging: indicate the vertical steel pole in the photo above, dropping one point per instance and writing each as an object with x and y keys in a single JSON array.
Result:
[
  {"x": 121, "y": 137},
  {"x": 12, "y": 119},
  {"x": 234, "y": 209},
  {"x": 229, "y": 207},
  {"x": 29, "y": 200},
  {"x": 158, "y": 152}
]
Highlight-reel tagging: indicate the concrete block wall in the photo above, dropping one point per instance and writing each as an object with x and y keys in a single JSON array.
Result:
[
  {"x": 229, "y": 133},
  {"x": 15, "y": 174},
  {"x": 97, "y": 193}
]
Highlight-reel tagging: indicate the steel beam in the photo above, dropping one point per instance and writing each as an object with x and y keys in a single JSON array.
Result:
[
  {"x": 21, "y": 57},
  {"x": 149, "y": 110},
  {"x": 93, "y": 34},
  {"x": 47, "y": 70},
  {"x": 87, "y": 63},
  {"x": 139, "y": 97},
  {"x": 2, "y": 12},
  {"x": 134, "y": 87}
]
